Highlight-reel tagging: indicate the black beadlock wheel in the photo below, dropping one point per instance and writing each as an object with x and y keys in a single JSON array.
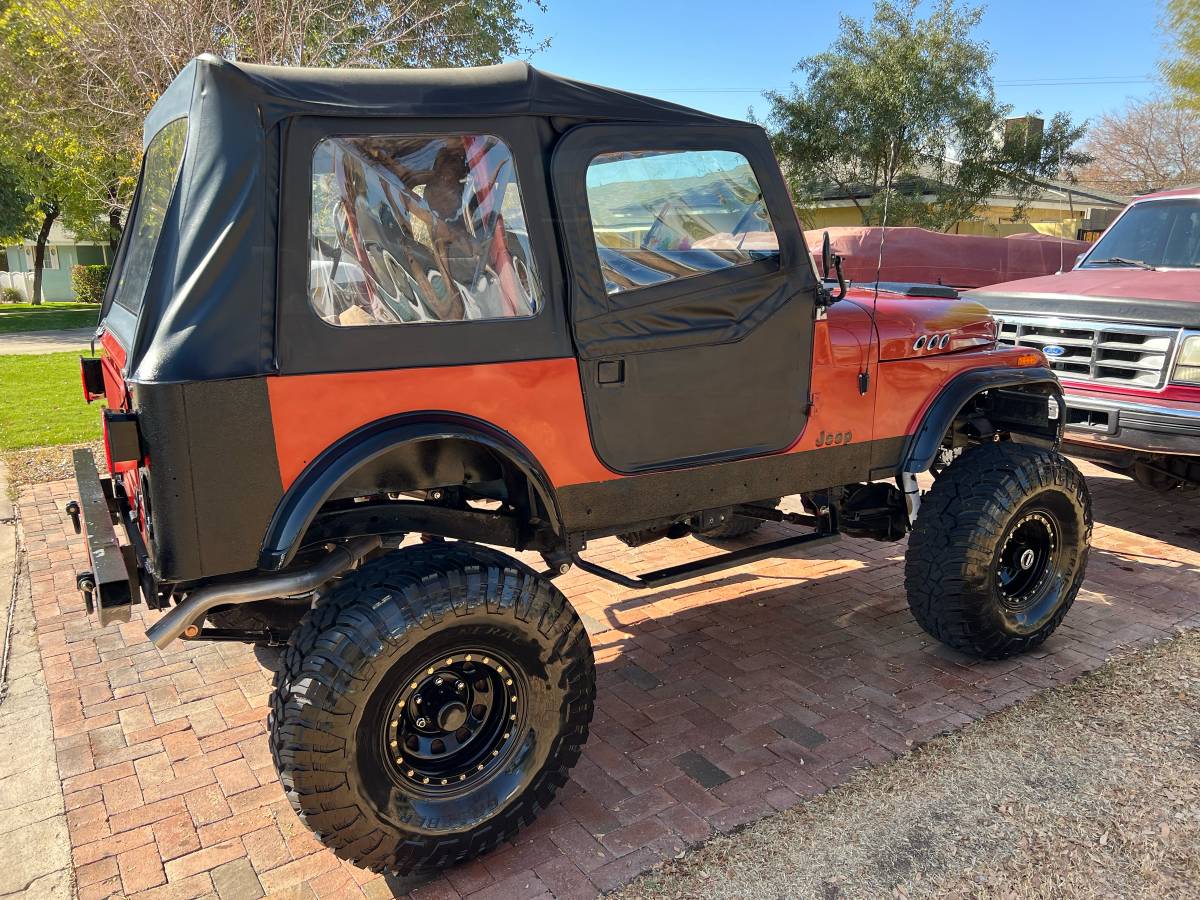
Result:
[
  {"x": 430, "y": 705},
  {"x": 999, "y": 549},
  {"x": 737, "y": 526}
]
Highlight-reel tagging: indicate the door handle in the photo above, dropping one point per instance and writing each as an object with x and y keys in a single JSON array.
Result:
[{"x": 610, "y": 372}]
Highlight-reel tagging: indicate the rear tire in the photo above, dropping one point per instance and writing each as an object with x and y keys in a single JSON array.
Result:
[
  {"x": 999, "y": 549},
  {"x": 430, "y": 705}
]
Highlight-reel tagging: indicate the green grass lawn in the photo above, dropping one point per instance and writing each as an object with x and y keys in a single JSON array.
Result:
[
  {"x": 16, "y": 317},
  {"x": 41, "y": 402}
]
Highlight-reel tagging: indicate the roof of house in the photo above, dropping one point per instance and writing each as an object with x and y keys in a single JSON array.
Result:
[{"x": 1051, "y": 189}]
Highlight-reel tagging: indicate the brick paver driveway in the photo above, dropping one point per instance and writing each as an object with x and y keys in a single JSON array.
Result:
[{"x": 719, "y": 702}]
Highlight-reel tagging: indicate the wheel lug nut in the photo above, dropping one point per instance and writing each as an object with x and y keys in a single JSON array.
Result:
[
  {"x": 421, "y": 722},
  {"x": 460, "y": 686},
  {"x": 438, "y": 681},
  {"x": 417, "y": 700}
]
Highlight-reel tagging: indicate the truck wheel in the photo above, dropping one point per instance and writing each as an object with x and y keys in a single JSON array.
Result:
[
  {"x": 737, "y": 526},
  {"x": 999, "y": 549},
  {"x": 430, "y": 705}
]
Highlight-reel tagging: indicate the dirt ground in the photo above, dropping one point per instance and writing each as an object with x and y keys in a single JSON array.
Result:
[
  {"x": 1089, "y": 790},
  {"x": 43, "y": 464}
]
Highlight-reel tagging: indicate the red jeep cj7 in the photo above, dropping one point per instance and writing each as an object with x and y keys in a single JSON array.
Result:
[{"x": 498, "y": 307}]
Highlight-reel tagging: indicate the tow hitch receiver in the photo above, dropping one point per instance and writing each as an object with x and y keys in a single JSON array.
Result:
[{"x": 109, "y": 586}]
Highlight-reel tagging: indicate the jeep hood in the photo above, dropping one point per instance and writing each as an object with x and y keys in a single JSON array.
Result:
[
  {"x": 902, "y": 321},
  {"x": 1163, "y": 297}
]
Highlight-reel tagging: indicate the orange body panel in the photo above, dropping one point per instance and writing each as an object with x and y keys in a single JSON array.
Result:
[
  {"x": 540, "y": 402},
  {"x": 907, "y": 387}
]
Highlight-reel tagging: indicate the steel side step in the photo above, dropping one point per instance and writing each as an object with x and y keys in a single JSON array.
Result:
[{"x": 683, "y": 572}]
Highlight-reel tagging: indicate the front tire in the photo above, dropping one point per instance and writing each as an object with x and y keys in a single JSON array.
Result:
[
  {"x": 430, "y": 706},
  {"x": 999, "y": 549}
]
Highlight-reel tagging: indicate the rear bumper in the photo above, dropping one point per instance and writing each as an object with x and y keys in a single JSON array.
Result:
[
  {"x": 111, "y": 586},
  {"x": 1136, "y": 428}
]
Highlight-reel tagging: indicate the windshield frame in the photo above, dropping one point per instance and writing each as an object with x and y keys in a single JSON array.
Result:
[{"x": 1083, "y": 261}]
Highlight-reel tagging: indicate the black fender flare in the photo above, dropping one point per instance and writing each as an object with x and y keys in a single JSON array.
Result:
[
  {"x": 922, "y": 445},
  {"x": 306, "y": 495}
]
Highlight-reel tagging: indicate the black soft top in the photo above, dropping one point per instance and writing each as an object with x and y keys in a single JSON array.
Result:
[
  {"x": 209, "y": 310},
  {"x": 510, "y": 89}
]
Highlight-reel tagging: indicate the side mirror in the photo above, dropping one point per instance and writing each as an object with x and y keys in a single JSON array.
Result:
[{"x": 831, "y": 260}]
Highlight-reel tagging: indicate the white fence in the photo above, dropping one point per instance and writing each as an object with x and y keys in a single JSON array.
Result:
[{"x": 22, "y": 281}]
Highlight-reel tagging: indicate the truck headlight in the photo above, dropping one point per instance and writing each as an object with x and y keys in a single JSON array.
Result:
[{"x": 1187, "y": 364}]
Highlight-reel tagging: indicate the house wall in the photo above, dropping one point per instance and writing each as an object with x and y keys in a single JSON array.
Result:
[{"x": 56, "y": 283}]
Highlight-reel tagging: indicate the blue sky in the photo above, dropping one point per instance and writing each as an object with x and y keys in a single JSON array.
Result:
[{"x": 718, "y": 55}]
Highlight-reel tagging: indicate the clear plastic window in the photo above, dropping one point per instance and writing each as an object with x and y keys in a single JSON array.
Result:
[
  {"x": 659, "y": 215},
  {"x": 418, "y": 228},
  {"x": 160, "y": 171}
]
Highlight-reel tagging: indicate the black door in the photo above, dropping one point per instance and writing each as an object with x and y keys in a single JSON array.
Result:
[{"x": 692, "y": 293}]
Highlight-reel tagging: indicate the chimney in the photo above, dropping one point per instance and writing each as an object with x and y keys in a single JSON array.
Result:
[{"x": 1024, "y": 132}]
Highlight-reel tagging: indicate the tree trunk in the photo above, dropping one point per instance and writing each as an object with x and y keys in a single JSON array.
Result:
[
  {"x": 49, "y": 214},
  {"x": 114, "y": 222}
]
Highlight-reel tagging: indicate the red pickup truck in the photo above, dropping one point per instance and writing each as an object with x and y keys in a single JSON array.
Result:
[{"x": 1122, "y": 329}]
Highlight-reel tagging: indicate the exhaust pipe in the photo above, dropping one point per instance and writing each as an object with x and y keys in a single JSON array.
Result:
[{"x": 192, "y": 610}]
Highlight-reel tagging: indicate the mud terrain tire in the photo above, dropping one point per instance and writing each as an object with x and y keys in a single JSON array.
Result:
[
  {"x": 999, "y": 549},
  {"x": 423, "y": 647}
]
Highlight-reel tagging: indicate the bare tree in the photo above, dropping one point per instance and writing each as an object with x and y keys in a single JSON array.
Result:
[{"x": 1147, "y": 145}]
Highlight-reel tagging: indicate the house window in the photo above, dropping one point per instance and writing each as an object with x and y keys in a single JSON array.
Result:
[
  {"x": 661, "y": 215},
  {"x": 49, "y": 260},
  {"x": 418, "y": 228}
]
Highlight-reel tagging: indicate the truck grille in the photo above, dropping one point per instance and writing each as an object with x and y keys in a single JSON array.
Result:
[{"x": 1101, "y": 352}]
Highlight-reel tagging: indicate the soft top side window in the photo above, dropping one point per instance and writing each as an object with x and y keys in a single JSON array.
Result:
[
  {"x": 160, "y": 171},
  {"x": 418, "y": 228},
  {"x": 660, "y": 215}
]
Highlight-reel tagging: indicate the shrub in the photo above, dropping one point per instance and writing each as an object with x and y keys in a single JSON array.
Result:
[
  {"x": 10, "y": 295},
  {"x": 88, "y": 283}
]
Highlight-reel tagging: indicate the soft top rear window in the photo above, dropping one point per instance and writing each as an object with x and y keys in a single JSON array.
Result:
[{"x": 160, "y": 171}]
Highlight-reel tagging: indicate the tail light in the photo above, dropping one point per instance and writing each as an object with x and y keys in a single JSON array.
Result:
[
  {"x": 91, "y": 372},
  {"x": 122, "y": 443}
]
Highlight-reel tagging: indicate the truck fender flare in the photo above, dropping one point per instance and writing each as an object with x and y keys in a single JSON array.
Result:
[
  {"x": 922, "y": 445},
  {"x": 321, "y": 477}
]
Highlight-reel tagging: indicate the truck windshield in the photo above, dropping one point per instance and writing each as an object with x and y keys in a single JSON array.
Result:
[
  {"x": 159, "y": 174},
  {"x": 1151, "y": 234}
]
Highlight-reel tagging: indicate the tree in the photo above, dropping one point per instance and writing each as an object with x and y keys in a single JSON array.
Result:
[
  {"x": 77, "y": 78},
  {"x": 902, "y": 111},
  {"x": 16, "y": 220},
  {"x": 105, "y": 63},
  {"x": 1182, "y": 67},
  {"x": 60, "y": 156},
  {"x": 1148, "y": 145}
]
